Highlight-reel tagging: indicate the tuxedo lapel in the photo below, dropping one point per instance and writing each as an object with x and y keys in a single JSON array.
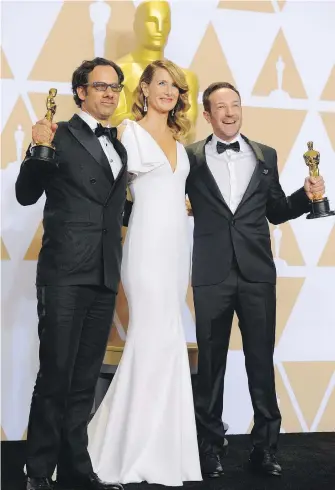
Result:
[
  {"x": 257, "y": 173},
  {"x": 206, "y": 175},
  {"x": 86, "y": 137},
  {"x": 122, "y": 152}
]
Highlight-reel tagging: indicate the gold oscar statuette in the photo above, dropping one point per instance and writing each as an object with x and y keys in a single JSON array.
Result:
[
  {"x": 45, "y": 151},
  {"x": 320, "y": 204}
]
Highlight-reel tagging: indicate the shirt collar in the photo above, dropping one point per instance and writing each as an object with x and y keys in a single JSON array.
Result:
[{"x": 89, "y": 120}]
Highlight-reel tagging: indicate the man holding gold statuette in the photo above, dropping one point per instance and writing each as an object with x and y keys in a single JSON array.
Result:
[
  {"x": 81, "y": 167},
  {"x": 234, "y": 191}
]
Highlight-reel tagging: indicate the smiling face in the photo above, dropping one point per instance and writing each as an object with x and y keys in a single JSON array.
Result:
[
  {"x": 162, "y": 92},
  {"x": 225, "y": 113},
  {"x": 100, "y": 105}
]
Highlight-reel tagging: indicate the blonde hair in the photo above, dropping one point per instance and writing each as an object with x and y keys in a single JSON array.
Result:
[{"x": 179, "y": 122}]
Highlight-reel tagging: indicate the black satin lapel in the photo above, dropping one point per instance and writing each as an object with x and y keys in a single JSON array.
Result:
[
  {"x": 257, "y": 173},
  {"x": 122, "y": 152},
  {"x": 90, "y": 142},
  {"x": 253, "y": 184},
  {"x": 207, "y": 177}
]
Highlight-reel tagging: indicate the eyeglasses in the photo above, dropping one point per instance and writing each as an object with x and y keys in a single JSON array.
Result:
[{"x": 102, "y": 86}]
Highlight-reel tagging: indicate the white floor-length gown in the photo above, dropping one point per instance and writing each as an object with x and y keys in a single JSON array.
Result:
[{"x": 144, "y": 429}]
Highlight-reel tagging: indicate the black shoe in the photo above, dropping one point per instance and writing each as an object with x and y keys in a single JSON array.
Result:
[
  {"x": 262, "y": 461},
  {"x": 223, "y": 450},
  {"x": 39, "y": 483},
  {"x": 87, "y": 482},
  {"x": 210, "y": 462}
]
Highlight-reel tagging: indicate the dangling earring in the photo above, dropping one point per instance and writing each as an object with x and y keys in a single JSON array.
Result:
[
  {"x": 172, "y": 112},
  {"x": 145, "y": 107}
]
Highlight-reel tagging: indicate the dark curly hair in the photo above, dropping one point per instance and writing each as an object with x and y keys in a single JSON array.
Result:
[{"x": 80, "y": 75}]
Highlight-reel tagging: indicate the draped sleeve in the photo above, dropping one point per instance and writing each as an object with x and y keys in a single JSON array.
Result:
[{"x": 143, "y": 156}]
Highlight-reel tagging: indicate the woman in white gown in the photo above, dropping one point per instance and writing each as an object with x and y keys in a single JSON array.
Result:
[{"x": 144, "y": 429}]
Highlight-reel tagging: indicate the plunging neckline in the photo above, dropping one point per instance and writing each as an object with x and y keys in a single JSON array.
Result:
[{"x": 173, "y": 170}]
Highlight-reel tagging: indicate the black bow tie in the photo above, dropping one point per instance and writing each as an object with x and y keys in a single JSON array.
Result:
[
  {"x": 100, "y": 130},
  {"x": 221, "y": 147}
]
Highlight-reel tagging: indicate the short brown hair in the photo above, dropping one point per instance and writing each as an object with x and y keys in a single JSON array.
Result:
[
  {"x": 213, "y": 87},
  {"x": 80, "y": 75}
]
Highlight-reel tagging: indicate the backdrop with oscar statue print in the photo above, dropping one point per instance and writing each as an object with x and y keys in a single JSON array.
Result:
[{"x": 280, "y": 56}]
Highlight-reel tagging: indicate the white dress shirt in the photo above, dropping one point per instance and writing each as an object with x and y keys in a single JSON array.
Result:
[
  {"x": 232, "y": 170},
  {"x": 107, "y": 146}
]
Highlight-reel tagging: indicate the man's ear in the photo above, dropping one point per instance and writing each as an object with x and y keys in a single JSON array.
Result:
[
  {"x": 81, "y": 92},
  {"x": 207, "y": 116}
]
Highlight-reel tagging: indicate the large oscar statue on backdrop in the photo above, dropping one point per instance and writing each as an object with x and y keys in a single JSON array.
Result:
[{"x": 152, "y": 25}]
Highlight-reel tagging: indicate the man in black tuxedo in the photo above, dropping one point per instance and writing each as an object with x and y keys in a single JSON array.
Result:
[
  {"x": 234, "y": 191},
  {"x": 78, "y": 273}
]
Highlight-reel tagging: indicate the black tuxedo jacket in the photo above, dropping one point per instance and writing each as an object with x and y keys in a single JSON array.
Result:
[
  {"x": 218, "y": 233},
  {"x": 83, "y": 211}
]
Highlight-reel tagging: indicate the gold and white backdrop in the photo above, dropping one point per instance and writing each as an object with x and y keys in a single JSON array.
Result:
[{"x": 280, "y": 54}]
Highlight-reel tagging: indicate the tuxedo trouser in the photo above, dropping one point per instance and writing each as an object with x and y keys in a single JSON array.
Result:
[
  {"x": 255, "y": 306},
  {"x": 74, "y": 325}
]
